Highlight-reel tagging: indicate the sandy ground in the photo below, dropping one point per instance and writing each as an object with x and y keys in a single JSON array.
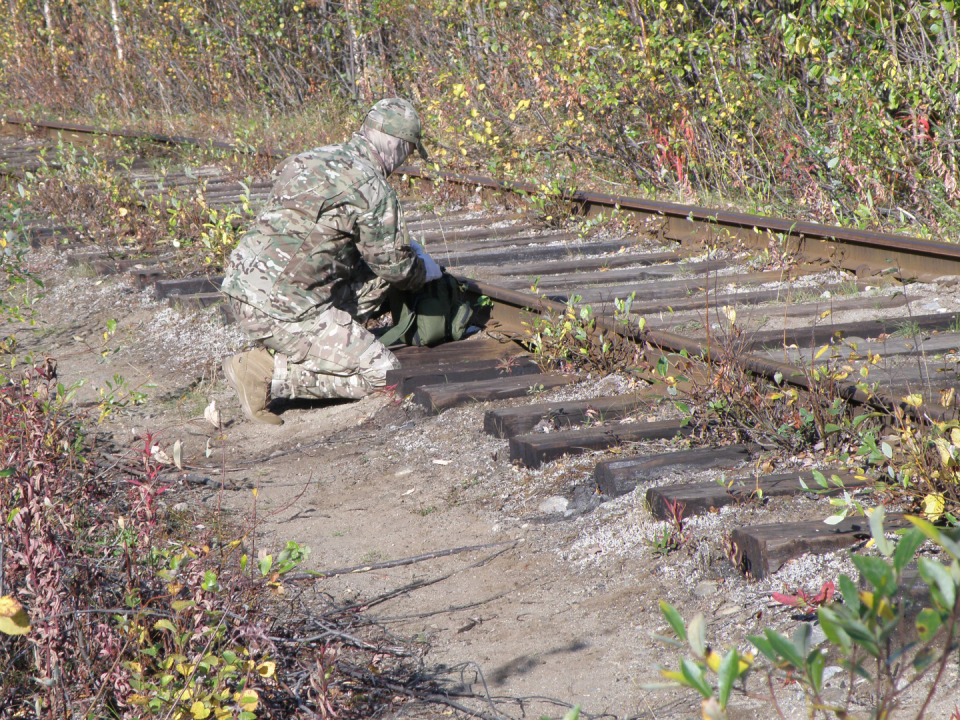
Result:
[{"x": 567, "y": 612}]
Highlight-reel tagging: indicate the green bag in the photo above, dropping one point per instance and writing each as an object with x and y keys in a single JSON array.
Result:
[{"x": 435, "y": 314}]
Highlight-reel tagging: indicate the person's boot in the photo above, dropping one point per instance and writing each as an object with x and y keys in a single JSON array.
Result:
[{"x": 250, "y": 374}]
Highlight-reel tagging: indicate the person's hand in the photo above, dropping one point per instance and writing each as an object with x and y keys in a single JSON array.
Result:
[{"x": 433, "y": 269}]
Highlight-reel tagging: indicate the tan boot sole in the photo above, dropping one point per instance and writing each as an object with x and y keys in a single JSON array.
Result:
[{"x": 261, "y": 417}]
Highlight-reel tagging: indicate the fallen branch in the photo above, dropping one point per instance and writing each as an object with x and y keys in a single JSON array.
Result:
[{"x": 311, "y": 574}]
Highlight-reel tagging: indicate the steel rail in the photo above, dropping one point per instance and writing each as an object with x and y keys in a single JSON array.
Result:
[
  {"x": 72, "y": 131},
  {"x": 684, "y": 223},
  {"x": 512, "y": 309},
  {"x": 862, "y": 251}
]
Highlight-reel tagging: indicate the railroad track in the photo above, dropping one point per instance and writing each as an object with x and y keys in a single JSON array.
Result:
[{"x": 796, "y": 288}]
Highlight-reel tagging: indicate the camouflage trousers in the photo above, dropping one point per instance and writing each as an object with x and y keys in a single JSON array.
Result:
[{"x": 326, "y": 355}]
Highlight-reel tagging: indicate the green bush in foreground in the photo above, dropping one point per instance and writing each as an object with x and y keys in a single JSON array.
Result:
[{"x": 868, "y": 635}]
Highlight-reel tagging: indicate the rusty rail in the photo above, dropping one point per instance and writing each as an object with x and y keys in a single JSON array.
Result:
[
  {"x": 511, "y": 307},
  {"x": 858, "y": 250}
]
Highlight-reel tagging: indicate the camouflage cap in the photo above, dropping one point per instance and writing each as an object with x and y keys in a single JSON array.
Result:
[{"x": 397, "y": 117}]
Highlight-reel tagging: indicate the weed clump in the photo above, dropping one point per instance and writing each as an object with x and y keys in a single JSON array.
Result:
[{"x": 113, "y": 605}]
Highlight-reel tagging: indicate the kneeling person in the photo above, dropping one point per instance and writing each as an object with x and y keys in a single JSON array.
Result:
[{"x": 324, "y": 250}]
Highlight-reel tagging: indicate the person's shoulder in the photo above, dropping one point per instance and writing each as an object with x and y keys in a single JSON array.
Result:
[{"x": 319, "y": 157}]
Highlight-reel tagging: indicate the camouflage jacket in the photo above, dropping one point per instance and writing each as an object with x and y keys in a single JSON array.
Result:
[{"x": 331, "y": 219}]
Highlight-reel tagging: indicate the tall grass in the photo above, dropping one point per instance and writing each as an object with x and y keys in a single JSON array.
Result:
[{"x": 840, "y": 111}]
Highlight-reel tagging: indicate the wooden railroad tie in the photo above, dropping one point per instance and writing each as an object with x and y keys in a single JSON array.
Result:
[
  {"x": 510, "y": 422},
  {"x": 621, "y": 475},
  {"x": 761, "y": 550},
  {"x": 536, "y": 449},
  {"x": 704, "y": 497}
]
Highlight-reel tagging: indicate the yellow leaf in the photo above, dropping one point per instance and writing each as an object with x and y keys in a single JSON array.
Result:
[
  {"x": 249, "y": 700},
  {"x": 675, "y": 676},
  {"x": 821, "y": 351},
  {"x": 915, "y": 400},
  {"x": 825, "y": 313},
  {"x": 933, "y": 505},
  {"x": 866, "y": 598},
  {"x": 267, "y": 669},
  {"x": 13, "y": 618},
  {"x": 945, "y": 450},
  {"x": 122, "y": 212},
  {"x": 710, "y": 710},
  {"x": 714, "y": 660},
  {"x": 164, "y": 624},
  {"x": 137, "y": 700},
  {"x": 199, "y": 711},
  {"x": 955, "y": 437}
]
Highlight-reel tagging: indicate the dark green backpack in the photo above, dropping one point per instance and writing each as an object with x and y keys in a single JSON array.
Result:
[{"x": 434, "y": 314}]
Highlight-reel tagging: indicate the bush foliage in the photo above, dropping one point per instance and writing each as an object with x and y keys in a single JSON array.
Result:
[{"x": 846, "y": 108}]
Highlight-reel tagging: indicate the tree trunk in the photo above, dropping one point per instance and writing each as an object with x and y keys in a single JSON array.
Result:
[
  {"x": 48, "y": 23},
  {"x": 115, "y": 18}
]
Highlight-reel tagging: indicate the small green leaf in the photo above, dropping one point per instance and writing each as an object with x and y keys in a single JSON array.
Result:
[
  {"x": 836, "y": 519},
  {"x": 697, "y": 635},
  {"x": 942, "y": 587},
  {"x": 923, "y": 659},
  {"x": 763, "y": 646},
  {"x": 928, "y": 529},
  {"x": 928, "y": 622},
  {"x": 830, "y": 624},
  {"x": 851, "y": 598},
  {"x": 727, "y": 673},
  {"x": 673, "y": 617},
  {"x": 784, "y": 648},
  {"x": 877, "y": 572},
  {"x": 815, "y": 665},
  {"x": 802, "y": 637},
  {"x": 876, "y": 530},
  {"x": 694, "y": 675},
  {"x": 907, "y": 548}
]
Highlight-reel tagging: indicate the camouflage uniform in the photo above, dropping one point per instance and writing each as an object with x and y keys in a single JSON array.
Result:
[
  {"x": 326, "y": 246},
  {"x": 325, "y": 355}
]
